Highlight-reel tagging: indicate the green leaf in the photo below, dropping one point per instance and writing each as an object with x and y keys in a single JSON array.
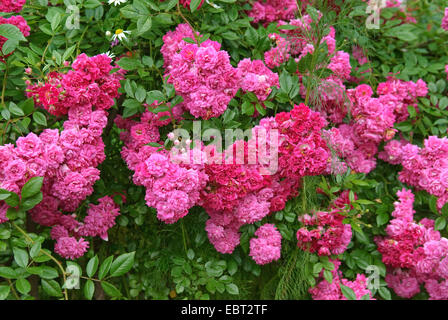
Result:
[
  {"x": 248, "y": 108},
  {"x": 328, "y": 276},
  {"x": 433, "y": 204},
  {"x": 260, "y": 109},
  {"x": 10, "y": 31},
  {"x": 8, "y": 273},
  {"x": 445, "y": 210},
  {"x": 40, "y": 118},
  {"x": 440, "y": 223},
  {"x": 348, "y": 292},
  {"x": 317, "y": 268},
  {"x": 190, "y": 254},
  {"x": 9, "y": 46},
  {"x": 55, "y": 21},
  {"x": 194, "y": 4},
  {"x": 443, "y": 103},
  {"x": 14, "y": 109},
  {"x": 92, "y": 266},
  {"x": 105, "y": 267},
  {"x": 89, "y": 289},
  {"x": 232, "y": 267},
  {"x": 20, "y": 257},
  {"x": 232, "y": 289},
  {"x": 251, "y": 36},
  {"x": 4, "y": 292},
  {"x": 155, "y": 144},
  {"x": 140, "y": 94},
  {"x": 129, "y": 63},
  {"x": 35, "y": 249},
  {"x": 31, "y": 202},
  {"x": 384, "y": 293},
  {"x": 155, "y": 95},
  {"x": 382, "y": 218},
  {"x": 122, "y": 264},
  {"x": 13, "y": 200},
  {"x": 52, "y": 288},
  {"x": 32, "y": 187},
  {"x": 110, "y": 289},
  {"x": 144, "y": 24},
  {"x": 23, "y": 286},
  {"x": 44, "y": 272},
  {"x": 68, "y": 52},
  {"x": 4, "y": 194},
  {"x": 412, "y": 111},
  {"x": 91, "y": 4}
]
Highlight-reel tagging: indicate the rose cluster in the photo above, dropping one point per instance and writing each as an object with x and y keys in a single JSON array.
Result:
[
  {"x": 172, "y": 188},
  {"x": 255, "y": 77},
  {"x": 445, "y": 20},
  {"x": 267, "y": 247},
  {"x": 202, "y": 74},
  {"x": 68, "y": 161},
  {"x": 373, "y": 120},
  {"x": 414, "y": 253},
  {"x": 273, "y": 10},
  {"x": 424, "y": 168},
  {"x": 12, "y": 5},
  {"x": 69, "y": 233},
  {"x": 324, "y": 232},
  {"x": 239, "y": 194},
  {"x": 232, "y": 190},
  {"x": 88, "y": 84}
]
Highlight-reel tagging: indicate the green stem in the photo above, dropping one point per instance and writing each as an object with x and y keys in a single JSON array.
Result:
[
  {"x": 4, "y": 86},
  {"x": 14, "y": 292},
  {"x": 184, "y": 237}
]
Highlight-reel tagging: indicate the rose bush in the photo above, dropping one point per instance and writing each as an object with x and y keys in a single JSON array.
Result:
[{"x": 249, "y": 149}]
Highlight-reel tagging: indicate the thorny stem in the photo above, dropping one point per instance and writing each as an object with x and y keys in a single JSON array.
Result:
[{"x": 47, "y": 254}]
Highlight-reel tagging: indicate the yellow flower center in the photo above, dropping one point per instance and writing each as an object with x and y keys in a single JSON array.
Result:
[{"x": 118, "y": 31}]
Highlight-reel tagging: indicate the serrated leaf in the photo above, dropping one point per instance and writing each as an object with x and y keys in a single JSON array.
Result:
[
  {"x": 52, "y": 288},
  {"x": 92, "y": 266},
  {"x": 40, "y": 118},
  {"x": 8, "y": 273},
  {"x": 232, "y": 288},
  {"x": 348, "y": 292},
  {"x": 194, "y": 4},
  {"x": 110, "y": 289},
  {"x": 23, "y": 286},
  {"x": 89, "y": 289},
  {"x": 105, "y": 267},
  {"x": 32, "y": 187},
  {"x": 4, "y": 292},
  {"x": 20, "y": 257},
  {"x": 122, "y": 264}
]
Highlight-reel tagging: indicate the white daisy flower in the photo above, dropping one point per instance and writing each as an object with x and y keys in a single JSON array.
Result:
[
  {"x": 117, "y": 2},
  {"x": 213, "y": 5},
  {"x": 109, "y": 54},
  {"x": 120, "y": 34}
]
